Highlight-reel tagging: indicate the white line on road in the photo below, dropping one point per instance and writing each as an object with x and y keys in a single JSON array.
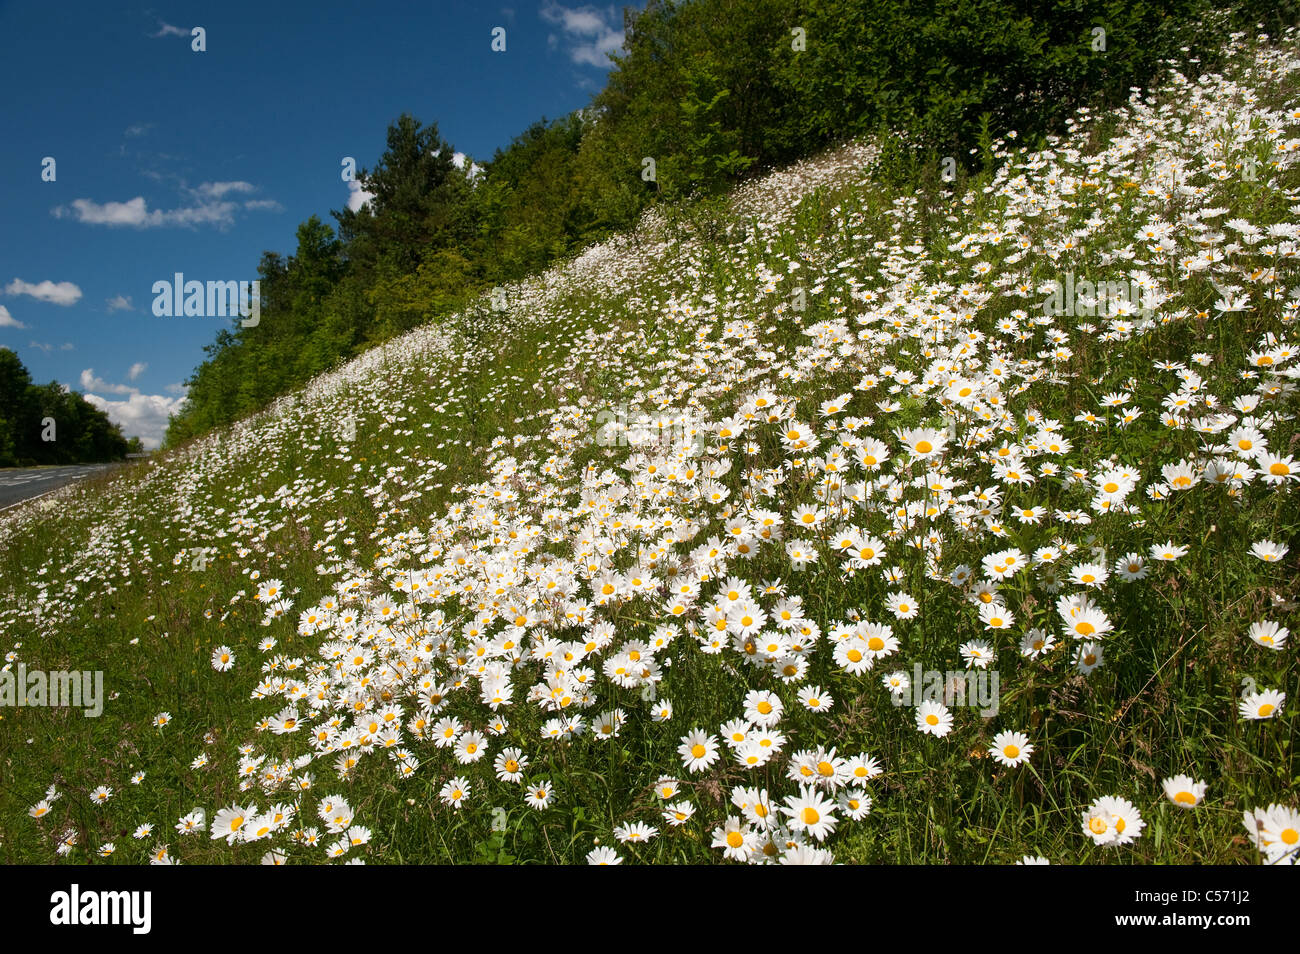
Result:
[{"x": 28, "y": 500}]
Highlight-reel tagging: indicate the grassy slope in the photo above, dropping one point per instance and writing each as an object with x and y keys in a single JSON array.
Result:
[{"x": 495, "y": 415}]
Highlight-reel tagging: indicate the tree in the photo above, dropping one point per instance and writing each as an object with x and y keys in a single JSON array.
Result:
[{"x": 418, "y": 192}]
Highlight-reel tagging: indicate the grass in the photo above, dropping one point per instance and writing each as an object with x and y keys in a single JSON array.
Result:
[{"x": 497, "y": 413}]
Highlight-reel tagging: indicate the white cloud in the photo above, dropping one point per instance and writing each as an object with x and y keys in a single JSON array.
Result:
[
  {"x": 120, "y": 303},
  {"x": 132, "y": 212},
  {"x": 135, "y": 212},
  {"x": 9, "y": 321},
  {"x": 209, "y": 206},
  {"x": 459, "y": 159},
  {"x": 41, "y": 345},
  {"x": 67, "y": 346},
  {"x": 177, "y": 388},
  {"x": 141, "y": 415},
  {"x": 215, "y": 190},
  {"x": 166, "y": 29},
  {"x": 92, "y": 383},
  {"x": 582, "y": 20},
  {"x": 592, "y": 32},
  {"x": 357, "y": 196},
  {"x": 56, "y": 293}
]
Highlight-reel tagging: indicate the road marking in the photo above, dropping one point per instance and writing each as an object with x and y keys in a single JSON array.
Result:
[{"x": 28, "y": 500}]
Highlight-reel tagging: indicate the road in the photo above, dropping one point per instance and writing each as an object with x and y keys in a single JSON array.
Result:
[{"x": 22, "y": 483}]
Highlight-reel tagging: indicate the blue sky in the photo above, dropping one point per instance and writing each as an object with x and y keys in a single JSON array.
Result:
[{"x": 167, "y": 159}]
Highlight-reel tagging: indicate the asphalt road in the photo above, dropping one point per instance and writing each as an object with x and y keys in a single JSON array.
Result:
[{"x": 22, "y": 483}]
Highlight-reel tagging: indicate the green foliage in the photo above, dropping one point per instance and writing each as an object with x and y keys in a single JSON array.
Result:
[
  {"x": 713, "y": 91},
  {"x": 82, "y": 432}
]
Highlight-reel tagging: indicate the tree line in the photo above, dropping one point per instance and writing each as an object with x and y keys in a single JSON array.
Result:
[
  {"x": 711, "y": 91},
  {"x": 46, "y": 424}
]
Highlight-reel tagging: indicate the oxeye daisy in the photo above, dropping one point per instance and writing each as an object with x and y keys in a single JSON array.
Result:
[
  {"x": 896, "y": 682},
  {"x": 698, "y": 750},
  {"x": 855, "y": 803},
  {"x": 1036, "y": 642},
  {"x": 1167, "y": 551},
  {"x": 1268, "y": 551},
  {"x": 455, "y": 792},
  {"x": 902, "y": 605},
  {"x": 815, "y": 699},
  {"x": 736, "y": 839},
  {"x": 229, "y": 823},
  {"x": 666, "y": 788},
  {"x": 1183, "y": 791},
  {"x": 1279, "y": 834},
  {"x": 1112, "y": 821},
  {"x": 977, "y": 654},
  {"x": 763, "y": 708},
  {"x": 1268, "y": 634},
  {"x": 678, "y": 813},
  {"x": 635, "y": 833},
  {"x": 1011, "y": 748},
  {"x": 933, "y": 718},
  {"x": 1088, "y": 658},
  {"x": 101, "y": 794},
  {"x": 1277, "y": 470},
  {"x": 996, "y": 616},
  {"x": 1261, "y": 705},
  {"x": 1089, "y": 574},
  {"x": 191, "y": 823},
  {"x": 862, "y": 767},
  {"x": 751, "y": 755},
  {"x": 1132, "y": 566},
  {"x": 810, "y": 812},
  {"x": 538, "y": 795},
  {"x": 603, "y": 855},
  {"x": 470, "y": 747},
  {"x": 222, "y": 658}
]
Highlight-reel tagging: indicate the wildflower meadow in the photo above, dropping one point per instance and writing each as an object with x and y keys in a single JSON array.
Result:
[{"x": 831, "y": 520}]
